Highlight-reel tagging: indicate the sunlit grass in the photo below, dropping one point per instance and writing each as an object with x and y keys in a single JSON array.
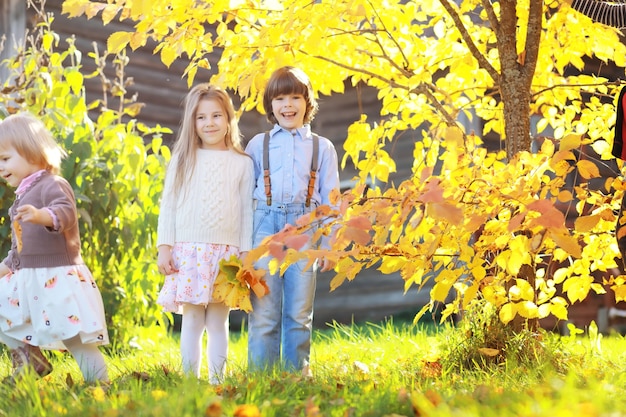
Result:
[{"x": 389, "y": 369}]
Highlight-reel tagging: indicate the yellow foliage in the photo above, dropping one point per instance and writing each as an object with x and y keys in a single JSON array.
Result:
[
  {"x": 507, "y": 312},
  {"x": 463, "y": 209},
  {"x": 528, "y": 310},
  {"x": 234, "y": 283}
]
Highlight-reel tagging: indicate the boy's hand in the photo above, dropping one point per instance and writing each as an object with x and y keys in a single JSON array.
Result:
[{"x": 327, "y": 265}]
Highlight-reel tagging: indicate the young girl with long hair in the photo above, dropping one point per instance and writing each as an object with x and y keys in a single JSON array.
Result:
[{"x": 205, "y": 216}]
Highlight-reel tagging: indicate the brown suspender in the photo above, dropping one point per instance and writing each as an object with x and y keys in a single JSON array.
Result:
[
  {"x": 266, "y": 169},
  {"x": 316, "y": 146}
]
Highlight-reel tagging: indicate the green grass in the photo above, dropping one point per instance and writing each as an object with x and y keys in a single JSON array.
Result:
[{"x": 359, "y": 370}]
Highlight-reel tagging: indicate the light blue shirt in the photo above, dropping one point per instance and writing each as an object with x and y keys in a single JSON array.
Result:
[{"x": 290, "y": 154}]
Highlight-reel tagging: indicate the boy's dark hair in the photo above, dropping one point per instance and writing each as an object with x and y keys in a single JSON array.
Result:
[{"x": 289, "y": 80}]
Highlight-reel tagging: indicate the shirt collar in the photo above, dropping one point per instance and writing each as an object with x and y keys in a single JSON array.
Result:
[
  {"x": 304, "y": 132},
  {"x": 26, "y": 182}
]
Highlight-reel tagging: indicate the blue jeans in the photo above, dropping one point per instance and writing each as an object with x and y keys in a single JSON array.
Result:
[{"x": 284, "y": 317}]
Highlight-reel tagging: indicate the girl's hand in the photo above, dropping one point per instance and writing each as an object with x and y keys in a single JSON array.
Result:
[
  {"x": 29, "y": 213},
  {"x": 165, "y": 262}
]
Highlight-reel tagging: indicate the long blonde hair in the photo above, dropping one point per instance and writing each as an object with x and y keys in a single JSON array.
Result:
[
  {"x": 188, "y": 141},
  {"x": 32, "y": 140}
]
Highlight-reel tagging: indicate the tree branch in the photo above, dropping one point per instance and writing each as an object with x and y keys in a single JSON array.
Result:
[
  {"x": 406, "y": 60},
  {"x": 422, "y": 88},
  {"x": 482, "y": 61},
  {"x": 533, "y": 38},
  {"x": 491, "y": 15}
]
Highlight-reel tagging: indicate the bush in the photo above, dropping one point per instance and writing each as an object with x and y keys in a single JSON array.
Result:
[{"x": 115, "y": 164}]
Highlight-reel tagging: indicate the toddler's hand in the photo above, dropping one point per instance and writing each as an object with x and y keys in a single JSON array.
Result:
[{"x": 29, "y": 213}]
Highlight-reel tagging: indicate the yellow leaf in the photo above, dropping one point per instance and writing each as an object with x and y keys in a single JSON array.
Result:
[
  {"x": 588, "y": 169},
  {"x": 620, "y": 292},
  {"x": 528, "y": 309},
  {"x": 247, "y": 410},
  {"x": 559, "y": 310},
  {"x": 496, "y": 295},
  {"x": 584, "y": 224},
  {"x": 489, "y": 351},
  {"x": 75, "y": 80},
  {"x": 507, "y": 312},
  {"x": 567, "y": 243},
  {"x": 570, "y": 142},
  {"x": 598, "y": 288},
  {"x": 109, "y": 12},
  {"x": 391, "y": 264},
  {"x": 453, "y": 138},
  {"x": 118, "y": 41},
  {"x": 168, "y": 55},
  {"x": 98, "y": 394},
  {"x": 337, "y": 281},
  {"x": 446, "y": 212},
  {"x": 440, "y": 291},
  {"x": 470, "y": 293},
  {"x": 527, "y": 292},
  {"x": 565, "y": 196},
  {"x": 578, "y": 287},
  {"x": 559, "y": 275},
  {"x": 137, "y": 39}
]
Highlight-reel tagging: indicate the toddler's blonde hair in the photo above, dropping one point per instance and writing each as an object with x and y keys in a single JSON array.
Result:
[{"x": 32, "y": 140}]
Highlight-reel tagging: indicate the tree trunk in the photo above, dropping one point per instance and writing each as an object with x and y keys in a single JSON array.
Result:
[{"x": 517, "y": 71}]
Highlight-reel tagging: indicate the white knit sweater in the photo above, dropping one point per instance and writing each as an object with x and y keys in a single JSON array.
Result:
[{"x": 217, "y": 204}]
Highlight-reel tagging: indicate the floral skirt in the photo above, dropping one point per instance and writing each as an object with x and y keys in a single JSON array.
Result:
[
  {"x": 198, "y": 265},
  {"x": 44, "y": 306}
]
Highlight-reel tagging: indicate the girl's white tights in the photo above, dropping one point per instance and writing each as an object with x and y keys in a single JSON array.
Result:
[
  {"x": 196, "y": 319},
  {"x": 88, "y": 357}
]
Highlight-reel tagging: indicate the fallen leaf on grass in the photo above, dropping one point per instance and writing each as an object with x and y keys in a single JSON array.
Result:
[
  {"x": 213, "y": 410},
  {"x": 311, "y": 409},
  {"x": 431, "y": 369},
  {"x": 361, "y": 367},
  {"x": 247, "y": 410},
  {"x": 141, "y": 376},
  {"x": 166, "y": 370},
  {"x": 69, "y": 381},
  {"x": 489, "y": 351}
]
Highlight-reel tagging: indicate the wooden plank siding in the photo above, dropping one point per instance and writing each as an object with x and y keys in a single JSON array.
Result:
[{"x": 372, "y": 295}]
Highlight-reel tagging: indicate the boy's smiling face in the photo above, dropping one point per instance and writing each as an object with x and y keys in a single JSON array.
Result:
[{"x": 289, "y": 110}]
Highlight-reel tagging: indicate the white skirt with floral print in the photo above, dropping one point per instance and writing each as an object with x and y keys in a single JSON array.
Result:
[
  {"x": 44, "y": 306},
  {"x": 198, "y": 265}
]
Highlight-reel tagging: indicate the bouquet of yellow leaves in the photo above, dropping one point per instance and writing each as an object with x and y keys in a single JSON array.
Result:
[{"x": 234, "y": 282}]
